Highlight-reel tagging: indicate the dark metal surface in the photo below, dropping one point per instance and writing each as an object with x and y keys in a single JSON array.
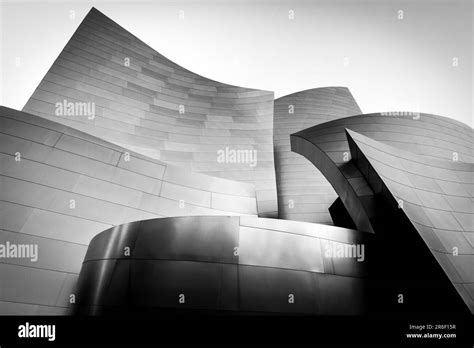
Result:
[
  {"x": 430, "y": 211},
  {"x": 414, "y": 191}
]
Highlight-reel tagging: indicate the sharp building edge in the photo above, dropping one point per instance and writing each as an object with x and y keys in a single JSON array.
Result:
[
  {"x": 148, "y": 104},
  {"x": 304, "y": 194},
  {"x": 60, "y": 187},
  {"x": 409, "y": 181},
  {"x": 148, "y": 189}
]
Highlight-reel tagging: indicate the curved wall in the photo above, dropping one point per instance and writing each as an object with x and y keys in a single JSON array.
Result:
[
  {"x": 304, "y": 194},
  {"x": 155, "y": 128},
  {"x": 435, "y": 195},
  {"x": 148, "y": 104},
  {"x": 382, "y": 185},
  {"x": 59, "y": 164},
  {"x": 427, "y": 135},
  {"x": 195, "y": 257},
  {"x": 326, "y": 147}
]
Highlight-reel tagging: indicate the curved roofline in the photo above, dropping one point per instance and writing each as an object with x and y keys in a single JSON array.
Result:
[
  {"x": 172, "y": 61},
  {"x": 422, "y": 114},
  {"x": 312, "y": 89}
]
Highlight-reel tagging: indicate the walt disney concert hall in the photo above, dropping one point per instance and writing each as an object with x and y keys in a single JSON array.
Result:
[{"x": 148, "y": 189}]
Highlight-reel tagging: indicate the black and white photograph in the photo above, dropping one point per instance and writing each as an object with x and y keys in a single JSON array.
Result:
[{"x": 212, "y": 173}]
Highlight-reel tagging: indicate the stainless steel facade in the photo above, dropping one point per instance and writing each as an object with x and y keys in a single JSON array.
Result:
[
  {"x": 232, "y": 264},
  {"x": 152, "y": 106},
  {"x": 304, "y": 194},
  {"x": 130, "y": 208},
  {"x": 434, "y": 195},
  {"x": 60, "y": 187},
  {"x": 420, "y": 167}
]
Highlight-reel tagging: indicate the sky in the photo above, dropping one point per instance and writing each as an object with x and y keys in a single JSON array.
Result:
[{"x": 393, "y": 55}]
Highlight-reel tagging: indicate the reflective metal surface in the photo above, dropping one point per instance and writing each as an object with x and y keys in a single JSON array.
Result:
[
  {"x": 304, "y": 194},
  {"x": 391, "y": 184},
  {"x": 431, "y": 211},
  {"x": 216, "y": 264},
  {"x": 125, "y": 193},
  {"x": 158, "y": 109},
  {"x": 68, "y": 186}
]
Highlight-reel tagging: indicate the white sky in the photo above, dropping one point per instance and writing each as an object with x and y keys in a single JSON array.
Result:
[{"x": 393, "y": 65}]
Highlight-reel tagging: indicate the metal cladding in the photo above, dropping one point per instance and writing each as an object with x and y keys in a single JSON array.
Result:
[
  {"x": 418, "y": 167},
  {"x": 232, "y": 264},
  {"x": 61, "y": 186},
  {"x": 425, "y": 134},
  {"x": 326, "y": 147},
  {"x": 304, "y": 194},
  {"x": 435, "y": 195},
  {"x": 177, "y": 171},
  {"x": 148, "y": 104}
]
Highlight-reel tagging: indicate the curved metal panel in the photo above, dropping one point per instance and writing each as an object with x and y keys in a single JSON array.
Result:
[
  {"x": 148, "y": 104},
  {"x": 326, "y": 147},
  {"x": 304, "y": 194},
  {"x": 412, "y": 185},
  {"x": 67, "y": 186},
  {"x": 436, "y": 215},
  {"x": 218, "y": 264}
]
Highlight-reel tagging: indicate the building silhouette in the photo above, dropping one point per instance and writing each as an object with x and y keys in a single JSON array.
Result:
[{"x": 149, "y": 189}]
